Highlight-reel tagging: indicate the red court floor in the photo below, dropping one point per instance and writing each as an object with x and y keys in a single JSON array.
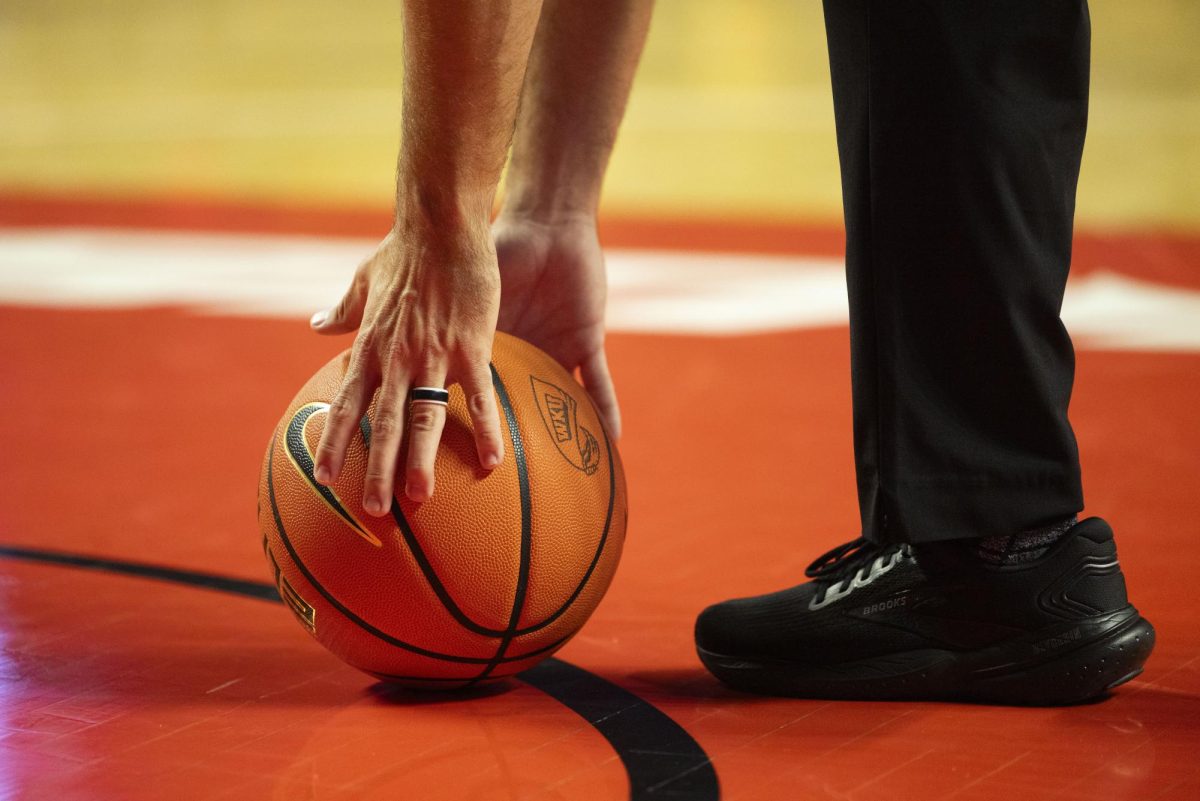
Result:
[{"x": 136, "y": 435}]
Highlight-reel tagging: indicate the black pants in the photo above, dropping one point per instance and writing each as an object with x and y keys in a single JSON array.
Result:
[{"x": 960, "y": 127}]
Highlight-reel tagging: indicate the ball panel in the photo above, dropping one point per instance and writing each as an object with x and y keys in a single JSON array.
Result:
[
  {"x": 572, "y": 474},
  {"x": 470, "y": 520},
  {"x": 353, "y": 644},
  {"x": 413, "y": 620}
]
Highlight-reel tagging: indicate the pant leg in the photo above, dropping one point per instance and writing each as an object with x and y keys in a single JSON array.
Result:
[{"x": 960, "y": 128}]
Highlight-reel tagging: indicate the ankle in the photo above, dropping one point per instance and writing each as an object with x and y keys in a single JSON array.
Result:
[{"x": 1026, "y": 546}]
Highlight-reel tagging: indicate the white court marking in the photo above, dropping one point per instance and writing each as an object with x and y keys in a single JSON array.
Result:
[{"x": 664, "y": 292}]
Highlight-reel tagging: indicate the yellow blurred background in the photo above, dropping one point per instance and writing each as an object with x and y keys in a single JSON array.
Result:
[{"x": 298, "y": 102}]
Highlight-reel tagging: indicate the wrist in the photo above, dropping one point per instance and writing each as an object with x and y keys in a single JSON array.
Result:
[
  {"x": 442, "y": 216},
  {"x": 548, "y": 206},
  {"x": 551, "y": 186},
  {"x": 443, "y": 188}
]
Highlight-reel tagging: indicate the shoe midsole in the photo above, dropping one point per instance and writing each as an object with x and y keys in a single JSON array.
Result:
[{"x": 1013, "y": 655}]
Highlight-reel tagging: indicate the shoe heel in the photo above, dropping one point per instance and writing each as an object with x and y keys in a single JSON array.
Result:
[{"x": 1080, "y": 675}]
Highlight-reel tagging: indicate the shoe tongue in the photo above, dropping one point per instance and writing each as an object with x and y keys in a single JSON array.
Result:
[{"x": 835, "y": 560}]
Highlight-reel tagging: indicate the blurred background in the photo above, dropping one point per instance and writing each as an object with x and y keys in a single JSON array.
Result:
[
  {"x": 297, "y": 103},
  {"x": 183, "y": 183}
]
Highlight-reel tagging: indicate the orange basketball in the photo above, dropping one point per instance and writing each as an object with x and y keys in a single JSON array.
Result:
[{"x": 487, "y": 578}]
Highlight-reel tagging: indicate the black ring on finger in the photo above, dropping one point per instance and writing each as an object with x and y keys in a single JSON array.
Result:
[{"x": 433, "y": 395}]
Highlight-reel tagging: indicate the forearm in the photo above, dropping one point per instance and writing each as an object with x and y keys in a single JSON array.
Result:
[
  {"x": 464, "y": 63},
  {"x": 580, "y": 72}
]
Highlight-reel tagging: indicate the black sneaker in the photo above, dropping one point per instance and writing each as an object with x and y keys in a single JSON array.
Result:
[{"x": 935, "y": 622}]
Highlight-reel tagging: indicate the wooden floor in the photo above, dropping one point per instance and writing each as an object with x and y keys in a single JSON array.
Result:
[
  {"x": 143, "y": 653},
  {"x": 132, "y": 437}
]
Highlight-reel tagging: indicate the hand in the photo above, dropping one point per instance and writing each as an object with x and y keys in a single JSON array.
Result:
[
  {"x": 425, "y": 308},
  {"x": 552, "y": 293}
]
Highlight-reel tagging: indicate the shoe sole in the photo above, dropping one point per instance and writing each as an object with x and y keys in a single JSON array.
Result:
[{"x": 1058, "y": 667}]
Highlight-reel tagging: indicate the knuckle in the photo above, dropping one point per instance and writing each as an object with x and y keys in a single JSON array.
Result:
[
  {"x": 477, "y": 354},
  {"x": 386, "y": 425},
  {"x": 434, "y": 352},
  {"x": 327, "y": 453},
  {"x": 480, "y": 403},
  {"x": 398, "y": 354},
  {"x": 356, "y": 370},
  {"x": 377, "y": 475},
  {"x": 367, "y": 335},
  {"x": 340, "y": 407},
  {"x": 418, "y": 476},
  {"x": 426, "y": 357},
  {"x": 424, "y": 421}
]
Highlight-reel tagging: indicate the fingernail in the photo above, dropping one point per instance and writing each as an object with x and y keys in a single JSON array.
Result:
[
  {"x": 318, "y": 319},
  {"x": 491, "y": 460},
  {"x": 373, "y": 505},
  {"x": 322, "y": 474}
]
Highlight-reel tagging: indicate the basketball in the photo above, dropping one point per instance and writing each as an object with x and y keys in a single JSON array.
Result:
[{"x": 493, "y": 574}]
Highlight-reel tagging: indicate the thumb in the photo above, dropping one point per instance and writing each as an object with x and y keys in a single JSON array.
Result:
[
  {"x": 599, "y": 384},
  {"x": 346, "y": 315}
]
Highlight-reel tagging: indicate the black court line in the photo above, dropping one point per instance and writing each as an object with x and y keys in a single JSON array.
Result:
[
  {"x": 259, "y": 590},
  {"x": 660, "y": 758}
]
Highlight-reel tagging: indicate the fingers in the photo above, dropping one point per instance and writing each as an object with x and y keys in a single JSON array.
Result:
[
  {"x": 485, "y": 416},
  {"x": 420, "y": 309},
  {"x": 345, "y": 411},
  {"x": 426, "y": 419},
  {"x": 393, "y": 419},
  {"x": 347, "y": 314},
  {"x": 387, "y": 432},
  {"x": 599, "y": 384}
]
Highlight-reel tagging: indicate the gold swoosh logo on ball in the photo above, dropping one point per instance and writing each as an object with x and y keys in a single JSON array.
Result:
[{"x": 303, "y": 459}]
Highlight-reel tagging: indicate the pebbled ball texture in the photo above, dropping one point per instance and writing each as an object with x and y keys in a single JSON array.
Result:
[{"x": 490, "y": 576}]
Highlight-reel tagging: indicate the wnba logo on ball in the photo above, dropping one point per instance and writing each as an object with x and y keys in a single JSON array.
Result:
[{"x": 559, "y": 412}]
